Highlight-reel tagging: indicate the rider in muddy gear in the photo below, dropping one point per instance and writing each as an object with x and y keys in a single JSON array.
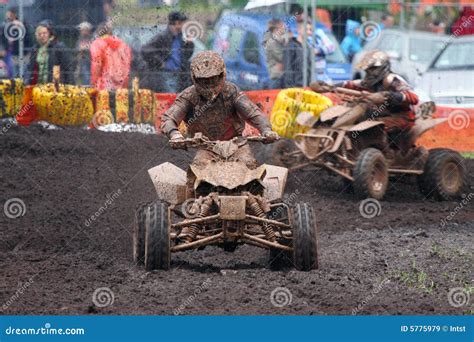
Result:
[
  {"x": 390, "y": 98},
  {"x": 217, "y": 109}
]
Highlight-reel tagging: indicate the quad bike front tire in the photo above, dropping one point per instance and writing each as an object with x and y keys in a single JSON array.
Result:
[
  {"x": 444, "y": 176},
  {"x": 157, "y": 237},
  {"x": 139, "y": 234},
  {"x": 305, "y": 237},
  {"x": 370, "y": 174}
]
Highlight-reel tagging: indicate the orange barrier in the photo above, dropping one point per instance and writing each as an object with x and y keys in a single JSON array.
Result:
[{"x": 457, "y": 133}]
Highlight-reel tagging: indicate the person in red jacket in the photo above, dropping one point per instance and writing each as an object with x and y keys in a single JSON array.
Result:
[
  {"x": 111, "y": 59},
  {"x": 465, "y": 24}
]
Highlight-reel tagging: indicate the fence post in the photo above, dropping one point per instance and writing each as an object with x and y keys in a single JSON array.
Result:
[{"x": 21, "y": 42}]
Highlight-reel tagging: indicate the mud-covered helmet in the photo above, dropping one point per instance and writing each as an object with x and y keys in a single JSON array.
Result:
[
  {"x": 376, "y": 65},
  {"x": 208, "y": 74}
]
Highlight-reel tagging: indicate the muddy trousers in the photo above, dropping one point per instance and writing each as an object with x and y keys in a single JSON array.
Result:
[
  {"x": 397, "y": 129},
  {"x": 244, "y": 154}
]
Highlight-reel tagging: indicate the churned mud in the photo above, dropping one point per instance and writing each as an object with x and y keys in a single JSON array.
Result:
[{"x": 80, "y": 189}]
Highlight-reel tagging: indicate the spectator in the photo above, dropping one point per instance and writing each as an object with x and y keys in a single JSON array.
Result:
[
  {"x": 273, "y": 42},
  {"x": 108, "y": 7},
  {"x": 351, "y": 44},
  {"x": 322, "y": 47},
  {"x": 13, "y": 30},
  {"x": 465, "y": 23},
  {"x": 47, "y": 53},
  {"x": 387, "y": 21},
  {"x": 5, "y": 73},
  {"x": 437, "y": 26},
  {"x": 111, "y": 58},
  {"x": 83, "y": 66},
  {"x": 293, "y": 58},
  {"x": 167, "y": 56}
]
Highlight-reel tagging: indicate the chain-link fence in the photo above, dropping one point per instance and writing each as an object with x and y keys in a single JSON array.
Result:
[{"x": 154, "y": 40}]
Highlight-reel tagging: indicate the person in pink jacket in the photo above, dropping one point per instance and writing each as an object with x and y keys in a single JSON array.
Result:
[{"x": 111, "y": 58}]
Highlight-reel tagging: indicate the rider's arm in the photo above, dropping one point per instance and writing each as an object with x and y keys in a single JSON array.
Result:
[
  {"x": 249, "y": 112},
  {"x": 399, "y": 91},
  {"x": 354, "y": 85},
  {"x": 171, "y": 119}
]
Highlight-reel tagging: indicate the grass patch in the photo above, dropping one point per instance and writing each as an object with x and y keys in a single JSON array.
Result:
[
  {"x": 417, "y": 278},
  {"x": 468, "y": 155}
]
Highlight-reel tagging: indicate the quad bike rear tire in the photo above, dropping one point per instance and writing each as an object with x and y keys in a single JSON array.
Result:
[
  {"x": 157, "y": 237},
  {"x": 444, "y": 176},
  {"x": 305, "y": 237},
  {"x": 139, "y": 234},
  {"x": 370, "y": 174}
]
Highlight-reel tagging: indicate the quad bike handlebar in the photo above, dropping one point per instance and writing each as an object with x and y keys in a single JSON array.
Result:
[{"x": 201, "y": 141}]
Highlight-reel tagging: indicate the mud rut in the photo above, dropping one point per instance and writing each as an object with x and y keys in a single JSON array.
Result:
[{"x": 403, "y": 261}]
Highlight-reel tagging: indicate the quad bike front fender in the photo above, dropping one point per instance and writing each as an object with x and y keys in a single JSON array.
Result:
[{"x": 170, "y": 182}]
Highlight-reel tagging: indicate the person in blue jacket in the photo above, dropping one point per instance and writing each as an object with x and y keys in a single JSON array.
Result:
[{"x": 351, "y": 44}]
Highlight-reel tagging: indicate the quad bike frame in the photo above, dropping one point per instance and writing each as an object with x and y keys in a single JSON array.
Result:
[
  {"x": 247, "y": 210},
  {"x": 359, "y": 152}
]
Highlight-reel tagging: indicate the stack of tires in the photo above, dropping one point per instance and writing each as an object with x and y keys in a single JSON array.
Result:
[
  {"x": 289, "y": 103},
  {"x": 11, "y": 95},
  {"x": 66, "y": 106},
  {"x": 124, "y": 106}
]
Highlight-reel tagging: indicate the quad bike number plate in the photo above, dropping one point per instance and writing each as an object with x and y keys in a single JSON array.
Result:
[{"x": 232, "y": 207}]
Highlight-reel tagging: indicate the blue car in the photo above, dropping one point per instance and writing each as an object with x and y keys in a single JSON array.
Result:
[{"x": 239, "y": 37}]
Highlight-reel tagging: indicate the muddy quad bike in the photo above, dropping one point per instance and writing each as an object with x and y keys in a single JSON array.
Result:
[
  {"x": 232, "y": 205},
  {"x": 358, "y": 149}
]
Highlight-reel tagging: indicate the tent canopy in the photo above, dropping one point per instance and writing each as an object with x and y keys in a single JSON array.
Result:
[{"x": 372, "y": 4}]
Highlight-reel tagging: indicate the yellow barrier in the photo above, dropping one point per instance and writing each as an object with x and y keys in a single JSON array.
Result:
[
  {"x": 289, "y": 103},
  {"x": 124, "y": 106},
  {"x": 11, "y": 95},
  {"x": 69, "y": 106}
]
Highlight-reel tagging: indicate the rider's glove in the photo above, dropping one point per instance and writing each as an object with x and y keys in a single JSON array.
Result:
[
  {"x": 378, "y": 98},
  {"x": 176, "y": 140},
  {"x": 271, "y": 136},
  {"x": 321, "y": 87}
]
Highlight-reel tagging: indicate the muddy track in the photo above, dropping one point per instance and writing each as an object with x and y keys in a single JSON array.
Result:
[{"x": 52, "y": 259}]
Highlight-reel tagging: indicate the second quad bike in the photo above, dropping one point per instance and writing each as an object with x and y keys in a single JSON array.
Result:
[
  {"x": 231, "y": 205},
  {"x": 345, "y": 141}
]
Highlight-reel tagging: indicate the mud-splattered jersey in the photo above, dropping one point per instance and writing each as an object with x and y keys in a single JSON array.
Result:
[{"x": 222, "y": 119}]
